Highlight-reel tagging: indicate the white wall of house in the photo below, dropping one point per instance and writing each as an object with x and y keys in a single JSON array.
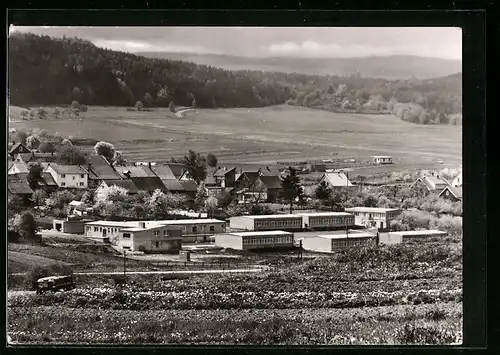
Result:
[{"x": 77, "y": 181}]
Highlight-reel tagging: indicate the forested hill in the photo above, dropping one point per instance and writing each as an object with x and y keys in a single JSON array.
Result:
[
  {"x": 387, "y": 67},
  {"x": 48, "y": 71}
]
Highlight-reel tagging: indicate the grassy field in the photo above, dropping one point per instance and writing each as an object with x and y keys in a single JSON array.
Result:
[
  {"x": 262, "y": 135},
  {"x": 410, "y": 294}
]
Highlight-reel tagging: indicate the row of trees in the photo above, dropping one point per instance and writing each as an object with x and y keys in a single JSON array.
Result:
[{"x": 50, "y": 71}]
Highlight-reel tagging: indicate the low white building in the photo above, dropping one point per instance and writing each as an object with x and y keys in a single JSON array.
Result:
[
  {"x": 255, "y": 240},
  {"x": 324, "y": 220},
  {"x": 405, "y": 236},
  {"x": 267, "y": 222},
  {"x": 328, "y": 243},
  {"x": 68, "y": 176},
  {"x": 382, "y": 159},
  {"x": 374, "y": 216}
]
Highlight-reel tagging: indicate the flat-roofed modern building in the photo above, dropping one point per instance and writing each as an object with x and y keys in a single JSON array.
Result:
[
  {"x": 334, "y": 242},
  {"x": 255, "y": 240},
  {"x": 267, "y": 222},
  {"x": 136, "y": 236},
  {"x": 192, "y": 229},
  {"x": 405, "y": 236},
  {"x": 327, "y": 220},
  {"x": 374, "y": 216}
]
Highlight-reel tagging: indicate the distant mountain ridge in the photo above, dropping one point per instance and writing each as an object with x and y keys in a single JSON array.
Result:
[{"x": 387, "y": 67}]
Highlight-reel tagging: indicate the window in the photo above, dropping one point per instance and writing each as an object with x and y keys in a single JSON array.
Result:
[
  {"x": 74, "y": 177},
  {"x": 157, "y": 244},
  {"x": 212, "y": 228},
  {"x": 164, "y": 232},
  {"x": 157, "y": 233},
  {"x": 63, "y": 184},
  {"x": 96, "y": 229},
  {"x": 82, "y": 176},
  {"x": 81, "y": 184},
  {"x": 63, "y": 176},
  {"x": 195, "y": 229},
  {"x": 126, "y": 235}
]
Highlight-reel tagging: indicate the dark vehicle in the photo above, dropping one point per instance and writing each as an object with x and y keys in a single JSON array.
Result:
[{"x": 54, "y": 283}]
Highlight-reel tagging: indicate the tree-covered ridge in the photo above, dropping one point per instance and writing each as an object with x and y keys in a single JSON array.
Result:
[{"x": 50, "y": 71}]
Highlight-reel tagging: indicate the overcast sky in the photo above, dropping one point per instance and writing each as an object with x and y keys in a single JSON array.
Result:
[{"x": 444, "y": 42}]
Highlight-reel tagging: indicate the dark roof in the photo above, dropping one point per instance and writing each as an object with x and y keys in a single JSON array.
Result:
[
  {"x": 177, "y": 169},
  {"x": 28, "y": 157},
  {"x": 148, "y": 183},
  {"x": 49, "y": 180},
  {"x": 210, "y": 180},
  {"x": 163, "y": 172},
  {"x": 18, "y": 147},
  {"x": 19, "y": 188},
  {"x": 67, "y": 169},
  {"x": 126, "y": 184},
  {"x": 100, "y": 169},
  {"x": 251, "y": 176},
  {"x": 134, "y": 171},
  {"x": 211, "y": 171},
  {"x": 455, "y": 191},
  {"x": 189, "y": 186},
  {"x": 173, "y": 185},
  {"x": 271, "y": 182},
  {"x": 223, "y": 171}
]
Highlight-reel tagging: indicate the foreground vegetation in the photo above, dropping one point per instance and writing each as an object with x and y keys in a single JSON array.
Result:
[{"x": 405, "y": 294}]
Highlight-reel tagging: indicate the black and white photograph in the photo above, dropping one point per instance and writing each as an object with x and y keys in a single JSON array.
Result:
[{"x": 234, "y": 186}]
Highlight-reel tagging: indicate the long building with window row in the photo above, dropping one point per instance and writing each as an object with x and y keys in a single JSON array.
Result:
[
  {"x": 255, "y": 240},
  {"x": 285, "y": 222},
  {"x": 327, "y": 220}
]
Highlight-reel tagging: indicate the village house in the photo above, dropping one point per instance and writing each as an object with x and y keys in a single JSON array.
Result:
[
  {"x": 381, "y": 159},
  {"x": 47, "y": 182},
  {"x": 68, "y": 176},
  {"x": 17, "y": 167},
  {"x": 257, "y": 186},
  {"x": 124, "y": 184},
  {"x": 17, "y": 148},
  {"x": 35, "y": 157},
  {"x": 374, "y": 216},
  {"x": 432, "y": 183},
  {"x": 336, "y": 180},
  {"x": 19, "y": 188},
  {"x": 225, "y": 177},
  {"x": 451, "y": 193}
]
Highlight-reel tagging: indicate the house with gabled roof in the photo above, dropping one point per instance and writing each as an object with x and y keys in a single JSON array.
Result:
[
  {"x": 68, "y": 176},
  {"x": 451, "y": 193},
  {"x": 35, "y": 157},
  {"x": 431, "y": 182},
  {"x": 256, "y": 187},
  {"x": 125, "y": 184},
  {"x": 336, "y": 180},
  {"x": 18, "y": 148},
  {"x": 17, "y": 167}
]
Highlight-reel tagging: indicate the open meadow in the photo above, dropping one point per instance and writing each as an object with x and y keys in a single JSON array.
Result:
[{"x": 260, "y": 136}]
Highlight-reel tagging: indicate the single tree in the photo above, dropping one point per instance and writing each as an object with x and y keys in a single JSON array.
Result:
[
  {"x": 47, "y": 147},
  {"x": 41, "y": 113},
  {"x": 171, "y": 106},
  {"x": 56, "y": 112},
  {"x": 34, "y": 175},
  {"x": 24, "y": 114},
  {"x": 139, "y": 105},
  {"x": 105, "y": 149},
  {"x": 211, "y": 160},
  {"x": 323, "y": 191},
  {"x": 69, "y": 155},
  {"x": 196, "y": 166},
  {"x": 25, "y": 225},
  {"x": 39, "y": 197},
  {"x": 118, "y": 158},
  {"x": 201, "y": 197},
  {"x": 291, "y": 187},
  {"x": 33, "y": 142},
  {"x": 210, "y": 205}
]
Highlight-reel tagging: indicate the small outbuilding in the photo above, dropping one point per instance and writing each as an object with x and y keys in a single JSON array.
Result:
[
  {"x": 255, "y": 240},
  {"x": 381, "y": 159},
  {"x": 405, "y": 236}
]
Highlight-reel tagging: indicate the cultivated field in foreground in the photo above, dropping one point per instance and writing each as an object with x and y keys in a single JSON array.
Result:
[
  {"x": 261, "y": 135},
  {"x": 409, "y": 294}
]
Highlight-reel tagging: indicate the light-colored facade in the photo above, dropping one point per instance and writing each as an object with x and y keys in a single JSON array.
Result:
[
  {"x": 333, "y": 242},
  {"x": 382, "y": 159},
  {"x": 136, "y": 236},
  {"x": 68, "y": 176},
  {"x": 405, "y": 236},
  {"x": 374, "y": 216},
  {"x": 267, "y": 222},
  {"x": 323, "y": 220},
  {"x": 255, "y": 240},
  {"x": 192, "y": 229}
]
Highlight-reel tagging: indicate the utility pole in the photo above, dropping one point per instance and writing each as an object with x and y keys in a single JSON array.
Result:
[{"x": 124, "y": 266}]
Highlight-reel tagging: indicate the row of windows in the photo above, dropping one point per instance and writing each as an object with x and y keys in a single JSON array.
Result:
[
  {"x": 372, "y": 215},
  {"x": 267, "y": 240},
  {"x": 279, "y": 223},
  {"x": 63, "y": 176},
  {"x": 194, "y": 229},
  {"x": 349, "y": 242},
  {"x": 329, "y": 220},
  {"x": 79, "y": 184}
]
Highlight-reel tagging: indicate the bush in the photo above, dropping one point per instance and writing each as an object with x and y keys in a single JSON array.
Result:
[
  {"x": 415, "y": 334},
  {"x": 38, "y": 272}
]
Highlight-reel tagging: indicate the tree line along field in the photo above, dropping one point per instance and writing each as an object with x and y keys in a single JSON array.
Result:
[
  {"x": 406, "y": 294},
  {"x": 259, "y": 135}
]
